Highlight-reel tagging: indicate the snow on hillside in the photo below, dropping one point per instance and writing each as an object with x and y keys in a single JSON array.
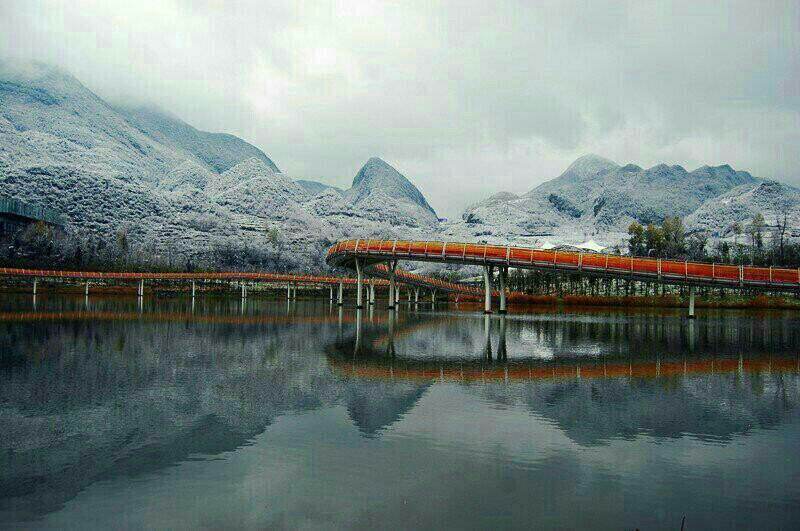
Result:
[
  {"x": 769, "y": 198},
  {"x": 187, "y": 193},
  {"x": 596, "y": 198},
  {"x": 176, "y": 190}
]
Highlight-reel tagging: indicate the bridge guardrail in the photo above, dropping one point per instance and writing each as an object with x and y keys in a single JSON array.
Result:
[{"x": 484, "y": 254}]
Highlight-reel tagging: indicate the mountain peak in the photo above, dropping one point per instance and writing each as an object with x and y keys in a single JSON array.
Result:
[
  {"x": 374, "y": 168},
  {"x": 378, "y": 176}
]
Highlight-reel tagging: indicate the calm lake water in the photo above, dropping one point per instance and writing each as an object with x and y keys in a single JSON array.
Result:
[{"x": 275, "y": 414}]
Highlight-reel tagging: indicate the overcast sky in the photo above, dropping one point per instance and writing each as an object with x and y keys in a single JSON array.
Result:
[{"x": 466, "y": 99}]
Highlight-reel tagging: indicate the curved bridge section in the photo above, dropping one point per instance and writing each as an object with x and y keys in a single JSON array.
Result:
[
  {"x": 412, "y": 281},
  {"x": 357, "y": 253}
]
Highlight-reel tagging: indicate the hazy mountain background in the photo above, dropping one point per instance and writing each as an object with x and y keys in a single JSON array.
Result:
[
  {"x": 176, "y": 192},
  {"x": 179, "y": 194}
]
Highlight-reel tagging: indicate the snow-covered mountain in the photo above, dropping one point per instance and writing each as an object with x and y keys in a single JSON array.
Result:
[
  {"x": 178, "y": 191},
  {"x": 771, "y": 199},
  {"x": 315, "y": 187},
  {"x": 215, "y": 199},
  {"x": 597, "y": 199}
]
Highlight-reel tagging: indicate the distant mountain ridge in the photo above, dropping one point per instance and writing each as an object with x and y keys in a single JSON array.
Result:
[
  {"x": 597, "y": 198},
  {"x": 220, "y": 151}
]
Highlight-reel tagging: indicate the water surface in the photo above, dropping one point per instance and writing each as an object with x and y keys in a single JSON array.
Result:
[{"x": 218, "y": 414}]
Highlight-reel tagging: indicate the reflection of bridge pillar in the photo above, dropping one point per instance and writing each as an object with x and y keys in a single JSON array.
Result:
[
  {"x": 341, "y": 317},
  {"x": 502, "y": 354},
  {"x": 503, "y": 274},
  {"x": 390, "y": 344},
  {"x": 358, "y": 332},
  {"x": 392, "y": 283},
  {"x": 397, "y": 295},
  {"x": 359, "y": 285},
  {"x": 487, "y": 287},
  {"x": 340, "y": 300},
  {"x": 372, "y": 292},
  {"x": 487, "y": 342},
  {"x": 294, "y": 292},
  {"x": 691, "y": 302}
]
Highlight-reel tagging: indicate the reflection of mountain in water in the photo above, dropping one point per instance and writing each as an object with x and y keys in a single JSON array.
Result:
[
  {"x": 592, "y": 410},
  {"x": 711, "y": 407},
  {"x": 82, "y": 401},
  {"x": 375, "y": 405}
]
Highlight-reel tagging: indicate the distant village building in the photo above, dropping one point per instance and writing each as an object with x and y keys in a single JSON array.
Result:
[{"x": 16, "y": 215}]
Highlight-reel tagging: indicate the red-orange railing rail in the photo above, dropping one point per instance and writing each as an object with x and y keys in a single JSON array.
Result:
[{"x": 600, "y": 263}]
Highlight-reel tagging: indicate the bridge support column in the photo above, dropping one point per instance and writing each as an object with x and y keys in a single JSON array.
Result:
[
  {"x": 392, "y": 283},
  {"x": 359, "y": 285},
  {"x": 294, "y": 292},
  {"x": 691, "y": 302},
  {"x": 86, "y": 289},
  {"x": 433, "y": 296},
  {"x": 372, "y": 292},
  {"x": 194, "y": 288},
  {"x": 340, "y": 301},
  {"x": 34, "y": 286},
  {"x": 289, "y": 291},
  {"x": 141, "y": 288},
  {"x": 244, "y": 290},
  {"x": 416, "y": 295},
  {"x": 502, "y": 276},
  {"x": 487, "y": 289}
]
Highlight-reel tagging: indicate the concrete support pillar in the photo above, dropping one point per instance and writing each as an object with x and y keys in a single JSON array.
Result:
[
  {"x": 372, "y": 292},
  {"x": 359, "y": 285},
  {"x": 244, "y": 291},
  {"x": 141, "y": 288},
  {"x": 34, "y": 286},
  {"x": 340, "y": 301},
  {"x": 392, "y": 283},
  {"x": 416, "y": 295},
  {"x": 331, "y": 293},
  {"x": 294, "y": 292},
  {"x": 502, "y": 277},
  {"x": 288, "y": 291},
  {"x": 86, "y": 289},
  {"x": 691, "y": 302},
  {"x": 397, "y": 295},
  {"x": 409, "y": 294},
  {"x": 487, "y": 289},
  {"x": 433, "y": 296},
  {"x": 194, "y": 289}
]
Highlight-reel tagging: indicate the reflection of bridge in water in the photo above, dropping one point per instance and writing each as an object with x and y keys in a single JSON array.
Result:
[
  {"x": 147, "y": 394},
  {"x": 375, "y": 356}
]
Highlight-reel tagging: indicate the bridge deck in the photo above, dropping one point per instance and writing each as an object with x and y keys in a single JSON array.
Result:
[{"x": 652, "y": 269}]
